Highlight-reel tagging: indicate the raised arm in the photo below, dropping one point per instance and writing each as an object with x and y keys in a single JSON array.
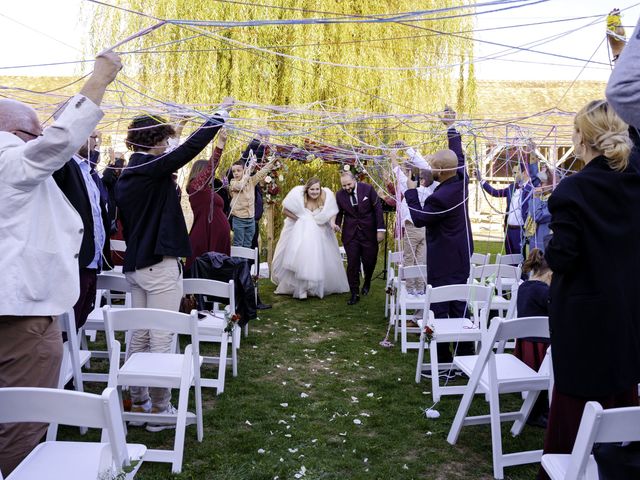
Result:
[
  {"x": 206, "y": 175},
  {"x": 24, "y": 166},
  {"x": 494, "y": 192},
  {"x": 170, "y": 162},
  {"x": 623, "y": 89}
]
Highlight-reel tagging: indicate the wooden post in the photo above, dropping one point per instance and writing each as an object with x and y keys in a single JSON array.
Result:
[{"x": 270, "y": 233}]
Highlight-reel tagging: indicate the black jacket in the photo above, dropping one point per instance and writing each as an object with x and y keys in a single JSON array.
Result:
[
  {"x": 594, "y": 312},
  {"x": 217, "y": 266},
  {"x": 71, "y": 181},
  {"x": 149, "y": 204}
]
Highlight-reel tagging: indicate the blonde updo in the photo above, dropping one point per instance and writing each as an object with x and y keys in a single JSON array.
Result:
[{"x": 605, "y": 132}]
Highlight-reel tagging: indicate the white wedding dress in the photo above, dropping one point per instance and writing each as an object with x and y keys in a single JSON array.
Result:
[{"x": 307, "y": 258}]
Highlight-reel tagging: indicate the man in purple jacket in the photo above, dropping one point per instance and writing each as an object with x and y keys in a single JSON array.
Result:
[
  {"x": 360, "y": 216},
  {"x": 449, "y": 239}
]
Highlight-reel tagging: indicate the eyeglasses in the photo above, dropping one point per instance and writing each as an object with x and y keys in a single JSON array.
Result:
[{"x": 34, "y": 135}]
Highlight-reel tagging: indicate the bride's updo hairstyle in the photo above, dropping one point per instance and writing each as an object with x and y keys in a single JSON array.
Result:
[
  {"x": 605, "y": 132},
  {"x": 310, "y": 183}
]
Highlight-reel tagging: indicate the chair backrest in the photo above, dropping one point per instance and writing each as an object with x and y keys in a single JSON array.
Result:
[
  {"x": 249, "y": 254},
  {"x": 601, "y": 426},
  {"x": 480, "y": 258},
  {"x": 514, "y": 259},
  {"x": 477, "y": 296},
  {"x": 519, "y": 328},
  {"x": 125, "y": 319},
  {"x": 49, "y": 405},
  {"x": 70, "y": 353},
  {"x": 118, "y": 245},
  {"x": 494, "y": 270},
  {"x": 214, "y": 288},
  {"x": 413, "y": 271},
  {"x": 117, "y": 283}
]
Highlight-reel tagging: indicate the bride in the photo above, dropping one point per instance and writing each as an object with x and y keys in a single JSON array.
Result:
[{"x": 307, "y": 258}]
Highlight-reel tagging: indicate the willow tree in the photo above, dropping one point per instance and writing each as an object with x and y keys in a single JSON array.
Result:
[{"x": 407, "y": 67}]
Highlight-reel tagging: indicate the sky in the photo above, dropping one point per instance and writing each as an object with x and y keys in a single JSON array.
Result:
[{"x": 45, "y": 31}]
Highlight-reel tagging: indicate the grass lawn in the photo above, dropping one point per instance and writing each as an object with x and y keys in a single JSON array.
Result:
[{"x": 316, "y": 393}]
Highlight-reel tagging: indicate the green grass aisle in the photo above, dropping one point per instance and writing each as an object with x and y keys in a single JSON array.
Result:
[{"x": 318, "y": 398}]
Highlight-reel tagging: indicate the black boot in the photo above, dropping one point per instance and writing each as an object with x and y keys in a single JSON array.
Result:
[
  {"x": 355, "y": 298},
  {"x": 366, "y": 287}
]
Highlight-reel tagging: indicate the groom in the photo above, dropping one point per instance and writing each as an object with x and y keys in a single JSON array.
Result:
[{"x": 360, "y": 216}]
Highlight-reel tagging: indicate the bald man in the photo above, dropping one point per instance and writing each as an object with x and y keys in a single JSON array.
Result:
[
  {"x": 449, "y": 240},
  {"x": 40, "y": 243}
]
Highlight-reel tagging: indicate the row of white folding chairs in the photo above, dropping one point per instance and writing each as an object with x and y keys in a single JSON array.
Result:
[
  {"x": 211, "y": 326},
  {"x": 112, "y": 457},
  {"x": 502, "y": 277},
  {"x": 169, "y": 370},
  {"x": 395, "y": 260},
  {"x": 249, "y": 254}
]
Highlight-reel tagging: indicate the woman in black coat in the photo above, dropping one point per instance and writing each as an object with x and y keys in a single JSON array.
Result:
[{"x": 594, "y": 313}]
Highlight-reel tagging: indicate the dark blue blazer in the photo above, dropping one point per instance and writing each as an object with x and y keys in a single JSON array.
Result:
[{"x": 446, "y": 215}]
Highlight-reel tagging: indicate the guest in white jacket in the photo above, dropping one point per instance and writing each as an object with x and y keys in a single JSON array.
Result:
[{"x": 40, "y": 236}]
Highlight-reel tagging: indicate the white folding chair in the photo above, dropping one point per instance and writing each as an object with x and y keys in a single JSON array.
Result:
[
  {"x": 212, "y": 327},
  {"x": 164, "y": 370},
  {"x": 502, "y": 276},
  {"x": 446, "y": 330},
  {"x": 406, "y": 302},
  {"x": 73, "y": 359},
  {"x": 480, "y": 258},
  {"x": 105, "y": 284},
  {"x": 493, "y": 374},
  {"x": 597, "y": 426},
  {"x": 54, "y": 460},
  {"x": 249, "y": 254},
  {"x": 514, "y": 259},
  {"x": 394, "y": 260},
  {"x": 119, "y": 246}
]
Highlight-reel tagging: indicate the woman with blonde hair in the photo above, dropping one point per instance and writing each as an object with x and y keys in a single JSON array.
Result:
[
  {"x": 594, "y": 314},
  {"x": 307, "y": 258}
]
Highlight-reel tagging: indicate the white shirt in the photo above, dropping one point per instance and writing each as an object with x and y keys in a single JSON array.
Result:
[
  {"x": 41, "y": 232},
  {"x": 423, "y": 194},
  {"x": 515, "y": 211}
]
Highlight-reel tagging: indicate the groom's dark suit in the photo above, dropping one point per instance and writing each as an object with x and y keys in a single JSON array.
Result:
[{"x": 360, "y": 224}]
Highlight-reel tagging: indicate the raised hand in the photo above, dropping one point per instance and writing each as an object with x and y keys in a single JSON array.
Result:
[{"x": 448, "y": 116}]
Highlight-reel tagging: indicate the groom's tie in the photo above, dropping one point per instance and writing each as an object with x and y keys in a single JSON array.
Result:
[{"x": 354, "y": 200}]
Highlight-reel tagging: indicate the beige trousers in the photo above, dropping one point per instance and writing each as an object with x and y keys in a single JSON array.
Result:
[
  {"x": 158, "y": 286},
  {"x": 30, "y": 356},
  {"x": 415, "y": 252}
]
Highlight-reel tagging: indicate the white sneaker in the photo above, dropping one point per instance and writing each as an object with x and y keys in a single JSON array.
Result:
[
  {"x": 158, "y": 427},
  {"x": 141, "y": 408}
]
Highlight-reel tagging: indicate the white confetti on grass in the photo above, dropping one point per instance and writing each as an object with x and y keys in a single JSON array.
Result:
[
  {"x": 357, "y": 421},
  {"x": 261, "y": 451},
  {"x": 293, "y": 450},
  {"x": 303, "y": 395},
  {"x": 431, "y": 413},
  {"x": 284, "y": 405},
  {"x": 247, "y": 422},
  {"x": 370, "y": 394}
]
